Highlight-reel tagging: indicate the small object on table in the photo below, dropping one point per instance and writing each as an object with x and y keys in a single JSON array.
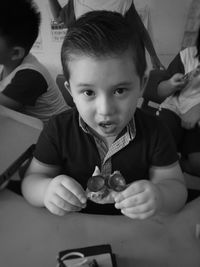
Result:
[
  {"x": 116, "y": 182},
  {"x": 93, "y": 256},
  {"x": 99, "y": 187}
]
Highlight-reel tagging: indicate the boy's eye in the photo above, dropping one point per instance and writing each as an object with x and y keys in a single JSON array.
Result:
[
  {"x": 120, "y": 91},
  {"x": 88, "y": 93}
]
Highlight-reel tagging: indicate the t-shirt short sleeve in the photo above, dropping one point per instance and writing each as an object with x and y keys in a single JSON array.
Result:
[
  {"x": 47, "y": 146},
  {"x": 26, "y": 86},
  {"x": 163, "y": 150}
]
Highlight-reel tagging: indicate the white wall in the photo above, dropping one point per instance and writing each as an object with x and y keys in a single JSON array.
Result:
[
  {"x": 167, "y": 22},
  {"x": 168, "y": 19}
]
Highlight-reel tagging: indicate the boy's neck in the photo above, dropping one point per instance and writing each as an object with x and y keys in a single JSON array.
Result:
[
  {"x": 107, "y": 140},
  {"x": 9, "y": 67}
]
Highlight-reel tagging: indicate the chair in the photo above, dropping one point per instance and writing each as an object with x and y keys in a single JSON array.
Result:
[
  {"x": 60, "y": 80},
  {"x": 151, "y": 99}
]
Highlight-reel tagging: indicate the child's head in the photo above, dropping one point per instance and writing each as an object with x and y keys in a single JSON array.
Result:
[
  {"x": 102, "y": 34},
  {"x": 19, "y": 24},
  {"x": 104, "y": 64}
]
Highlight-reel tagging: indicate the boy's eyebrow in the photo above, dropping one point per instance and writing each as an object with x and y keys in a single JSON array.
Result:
[
  {"x": 118, "y": 84},
  {"x": 84, "y": 84}
]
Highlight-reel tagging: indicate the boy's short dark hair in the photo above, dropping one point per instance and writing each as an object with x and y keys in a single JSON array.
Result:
[
  {"x": 19, "y": 23},
  {"x": 102, "y": 33}
]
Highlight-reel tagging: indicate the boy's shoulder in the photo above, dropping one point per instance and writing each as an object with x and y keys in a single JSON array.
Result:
[
  {"x": 148, "y": 123},
  {"x": 145, "y": 117},
  {"x": 68, "y": 116}
]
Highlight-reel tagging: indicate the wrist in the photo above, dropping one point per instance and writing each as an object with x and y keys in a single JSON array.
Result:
[
  {"x": 159, "y": 199},
  {"x": 46, "y": 184}
]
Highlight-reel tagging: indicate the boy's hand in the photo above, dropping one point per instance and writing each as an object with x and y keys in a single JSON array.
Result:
[
  {"x": 177, "y": 82},
  {"x": 63, "y": 195},
  {"x": 139, "y": 200}
]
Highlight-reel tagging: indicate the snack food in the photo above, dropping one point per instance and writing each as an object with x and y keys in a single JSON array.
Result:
[{"x": 99, "y": 187}]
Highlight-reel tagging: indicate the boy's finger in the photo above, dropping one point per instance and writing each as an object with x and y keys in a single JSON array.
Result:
[
  {"x": 63, "y": 204},
  {"x": 132, "y": 201},
  {"x": 76, "y": 191},
  {"x": 133, "y": 189},
  {"x": 54, "y": 209}
]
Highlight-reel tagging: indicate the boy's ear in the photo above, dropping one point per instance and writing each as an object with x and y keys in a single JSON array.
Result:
[
  {"x": 144, "y": 83},
  {"x": 67, "y": 86},
  {"x": 18, "y": 53}
]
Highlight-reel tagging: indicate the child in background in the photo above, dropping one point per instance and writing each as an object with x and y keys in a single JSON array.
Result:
[
  {"x": 75, "y": 8},
  {"x": 25, "y": 84},
  {"x": 104, "y": 66},
  {"x": 181, "y": 109}
]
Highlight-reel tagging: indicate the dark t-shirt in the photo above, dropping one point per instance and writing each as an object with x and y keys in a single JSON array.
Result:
[
  {"x": 64, "y": 143},
  {"x": 26, "y": 86}
]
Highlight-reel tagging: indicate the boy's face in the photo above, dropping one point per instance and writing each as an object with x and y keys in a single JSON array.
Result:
[
  {"x": 105, "y": 91},
  {"x": 5, "y": 51}
]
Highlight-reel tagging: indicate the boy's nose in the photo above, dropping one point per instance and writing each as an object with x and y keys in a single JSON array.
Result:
[{"x": 105, "y": 106}]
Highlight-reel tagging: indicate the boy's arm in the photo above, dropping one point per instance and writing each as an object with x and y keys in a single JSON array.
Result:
[
  {"x": 170, "y": 183},
  {"x": 9, "y": 102},
  {"x": 170, "y": 86},
  {"x": 44, "y": 186},
  {"x": 55, "y": 8},
  {"x": 165, "y": 194},
  {"x": 36, "y": 181}
]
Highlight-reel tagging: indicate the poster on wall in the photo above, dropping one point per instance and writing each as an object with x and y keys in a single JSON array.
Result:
[
  {"x": 192, "y": 24},
  {"x": 38, "y": 46},
  {"x": 58, "y": 31}
]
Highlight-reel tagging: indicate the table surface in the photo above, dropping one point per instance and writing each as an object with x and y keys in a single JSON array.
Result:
[
  {"x": 31, "y": 236},
  {"x": 15, "y": 137}
]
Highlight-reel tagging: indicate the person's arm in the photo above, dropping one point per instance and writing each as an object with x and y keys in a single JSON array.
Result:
[
  {"x": 44, "y": 186},
  {"x": 36, "y": 180},
  {"x": 55, "y": 8},
  {"x": 169, "y": 181},
  {"x": 169, "y": 87},
  {"x": 10, "y": 103},
  {"x": 135, "y": 21},
  {"x": 165, "y": 193},
  {"x": 172, "y": 81}
]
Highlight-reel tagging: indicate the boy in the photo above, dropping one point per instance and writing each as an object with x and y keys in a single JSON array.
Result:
[
  {"x": 25, "y": 84},
  {"x": 181, "y": 108},
  {"x": 75, "y": 8},
  {"x": 104, "y": 65}
]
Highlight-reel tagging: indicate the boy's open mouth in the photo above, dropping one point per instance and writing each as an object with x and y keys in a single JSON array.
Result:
[{"x": 107, "y": 126}]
